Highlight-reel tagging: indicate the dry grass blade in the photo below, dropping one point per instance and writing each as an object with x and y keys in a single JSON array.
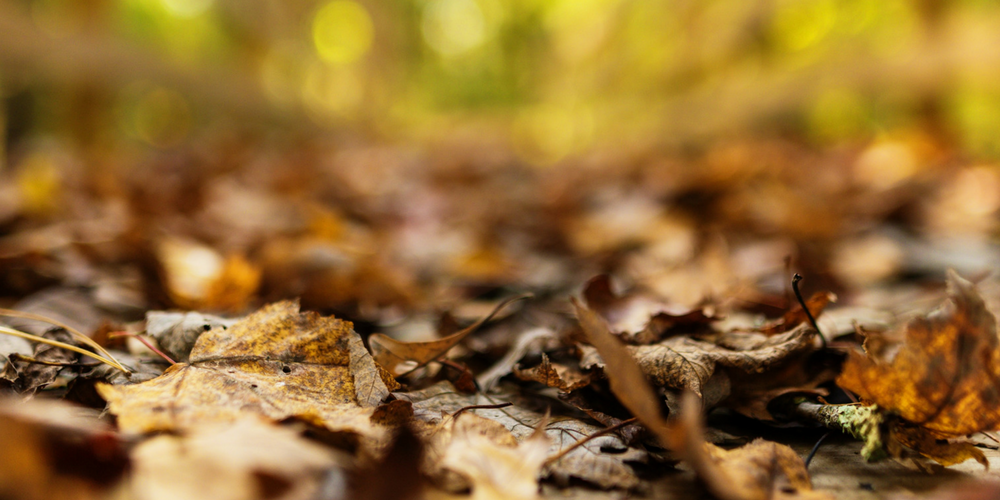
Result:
[
  {"x": 34, "y": 338},
  {"x": 72, "y": 331}
]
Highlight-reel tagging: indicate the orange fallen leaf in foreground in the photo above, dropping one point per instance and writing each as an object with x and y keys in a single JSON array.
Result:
[
  {"x": 942, "y": 382},
  {"x": 277, "y": 363}
]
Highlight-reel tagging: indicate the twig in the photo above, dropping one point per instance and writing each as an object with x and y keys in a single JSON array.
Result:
[
  {"x": 587, "y": 439},
  {"x": 798, "y": 295},
  {"x": 480, "y": 407},
  {"x": 815, "y": 447}
]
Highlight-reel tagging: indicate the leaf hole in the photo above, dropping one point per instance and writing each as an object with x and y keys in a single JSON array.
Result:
[
  {"x": 207, "y": 327},
  {"x": 286, "y": 369}
]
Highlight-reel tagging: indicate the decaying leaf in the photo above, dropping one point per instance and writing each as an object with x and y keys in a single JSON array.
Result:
[
  {"x": 640, "y": 318},
  {"x": 590, "y": 462},
  {"x": 688, "y": 363},
  {"x": 564, "y": 378},
  {"x": 51, "y": 449},
  {"x": 176, "y": 332},
  {"x": 245, "y": 460},
  {"x": 626, "y": 378},
  {"x": 27, "y": 374},
  {"x": 403, "y": 357},
  {"x": 276, "y": 363},
  {"x": 797, "y": 316},
  {"x": 944, "y": 379},
  {"x": 496, "y": 465},
  {"x": 199, "y": 277},
  {"x": 760, "y": 470}
]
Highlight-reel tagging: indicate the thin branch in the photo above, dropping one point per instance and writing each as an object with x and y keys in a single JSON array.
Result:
[{"x": 587, "y": 439}]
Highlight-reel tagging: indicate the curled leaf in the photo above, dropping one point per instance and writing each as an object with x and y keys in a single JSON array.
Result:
[{"x": 944, "y": 379}]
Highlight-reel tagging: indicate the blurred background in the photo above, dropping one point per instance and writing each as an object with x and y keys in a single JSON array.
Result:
[{"x": 382, "y": 157}]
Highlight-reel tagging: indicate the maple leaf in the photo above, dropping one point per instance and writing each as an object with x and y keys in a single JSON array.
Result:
[
  {"x": 277, "y": 363},
  {"x": 943, "y": 380}
]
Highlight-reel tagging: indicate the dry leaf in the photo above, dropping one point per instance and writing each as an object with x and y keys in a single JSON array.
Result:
[
  {"x": 52, "y": 450},
  {"x": 687, "y": 363},
  {"x": 277, "y": 363},
  {"x": 761, "y": 470},
  {"x": 245, "y": 460},
  {"x": 797, "y": 316},
  {"x": 943, "y": 379},
  {"x": 590, "y": 462},
  {"x": 177, "y": 332},
  {"x": 199, "y": 277},
  {"x": 640, "y": 318},
  {"x": 627, "y": 379},
  {"x": 403, "y": 357},
  {"x": 564, "y": 378},
  {"x": 496, "y": 465}
]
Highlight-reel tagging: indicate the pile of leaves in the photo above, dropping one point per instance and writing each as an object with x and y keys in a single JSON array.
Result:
[{"x": 381, "y": 323}]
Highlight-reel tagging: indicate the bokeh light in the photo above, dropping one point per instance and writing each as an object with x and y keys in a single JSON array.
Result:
[{"x": 342, "y": 31}]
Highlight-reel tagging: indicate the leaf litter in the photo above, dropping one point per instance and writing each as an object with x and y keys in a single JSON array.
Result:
[{"x": 396, "y": 380}]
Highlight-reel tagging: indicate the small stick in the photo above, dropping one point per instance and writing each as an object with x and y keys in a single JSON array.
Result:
[
  {"x": 812, "y": 452},
  {"x": 480, "y": 407},
  {"x": 144, "y": 342},
  {"x": 585, "y": 440},
  {"x": 798, "y": 295}
]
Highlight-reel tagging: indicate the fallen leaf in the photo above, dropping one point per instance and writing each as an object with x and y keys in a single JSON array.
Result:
[
  {"x": 403, "y": 357},
  {"x": 277, "y": 363},
  {"x": 564, "y": 378},
  {"x": 943, "y": 379},
  {"x": 177, "y": 332},
  {"x": 199, "y": 277},
  {"x": 51, "y": 449},
  {"x": 245, "y": 460},
  {"x": 590, "y": 462},
  {"x": 627, "y": 380},
  {"x": 797, "y": 316},
  {"x": 687, "y": 363},
  {"x": 760, "y": 470},
  {"x": 496, "y": 465},
  {"x": 28, "y": 374},
  {"x": 640, "y": 318}
]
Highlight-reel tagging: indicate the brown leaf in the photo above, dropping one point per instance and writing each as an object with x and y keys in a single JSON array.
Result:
[
  {"x": 28, "y": 374},
  {"x": 403, "y": 357},
  {"x": 51, "y": 449},
  {"x": 589, "y": 462},
  {"x": 640, "y": 318},
  {"x": 797, "y": 316},
  {"x": 687, "y": 363},
  {"x": 277, "y": 363},
  {"x": 760, "y": 470},
  {"x": 245, "y": 460},
  {"x": 564, "y": 378},
  {"x": 945, "y": 378},
  {"x": 626, "y": 378}
]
